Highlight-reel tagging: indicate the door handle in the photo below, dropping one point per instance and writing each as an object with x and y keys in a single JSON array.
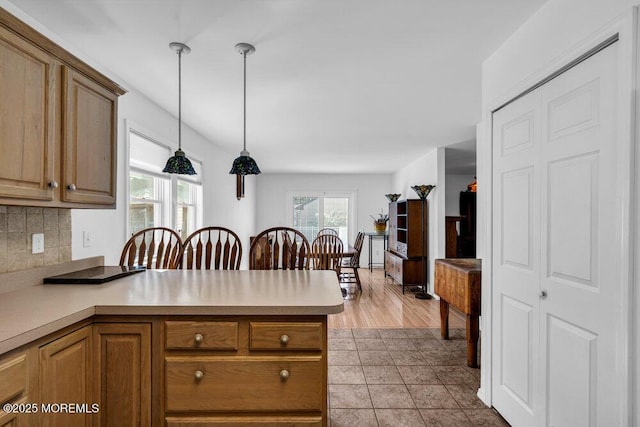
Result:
[{"x": 543, "y": 294}]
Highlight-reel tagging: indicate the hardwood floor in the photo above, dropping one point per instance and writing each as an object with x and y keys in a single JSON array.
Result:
[{"x": 382, "y": 305}]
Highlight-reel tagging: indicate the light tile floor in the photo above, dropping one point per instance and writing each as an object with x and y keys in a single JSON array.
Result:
[{"x": 403, "y": 377}]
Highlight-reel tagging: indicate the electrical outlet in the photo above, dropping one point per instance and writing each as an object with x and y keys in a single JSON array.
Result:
[
  {"x": 37, "y": 243},
  {"x": 87, "y": 239}
]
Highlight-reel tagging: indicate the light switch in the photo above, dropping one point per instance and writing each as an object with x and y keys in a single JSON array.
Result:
[
  {"x": 37, "y": 243},
  {"x": 87, "y": 239}
]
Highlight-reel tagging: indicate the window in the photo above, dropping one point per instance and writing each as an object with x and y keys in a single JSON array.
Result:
[
  {"x": 311, "y": 212},
  {"x": 157, "y": 199},
  {"x": 188, "y": 211},
  {"x": 146, "y": 200}
]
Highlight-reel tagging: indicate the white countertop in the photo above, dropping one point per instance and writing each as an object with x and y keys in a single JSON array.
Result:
[{"x": 31, "y": 313}]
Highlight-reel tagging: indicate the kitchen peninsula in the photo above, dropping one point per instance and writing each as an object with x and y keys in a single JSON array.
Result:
[{"x": 172, "y": 347}]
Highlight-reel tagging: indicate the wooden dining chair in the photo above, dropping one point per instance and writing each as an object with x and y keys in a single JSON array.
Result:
[
  {"x": 349, "y": 268},
  {"x": 212, "y": 248},
  {"x": 328, "y": 231},
  {"x": 279, "y": 248},
  {"x": 155, "y": 247},
  {"x": 327, "y": 252}
]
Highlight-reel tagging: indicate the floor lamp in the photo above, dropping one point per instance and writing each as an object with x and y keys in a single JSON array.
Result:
[{"x": 423, "y": 191}]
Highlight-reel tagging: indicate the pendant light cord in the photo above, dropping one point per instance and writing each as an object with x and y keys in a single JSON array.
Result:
[
  {"x": 180, "y": 99},
  {"x": 244, "y": 136}
]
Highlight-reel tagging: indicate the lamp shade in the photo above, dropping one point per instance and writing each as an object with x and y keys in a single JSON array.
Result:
[
  {"x": 244, "y": 165},
  {"x": 423, "y": 190},
  {"x": 179, "y": 164}
]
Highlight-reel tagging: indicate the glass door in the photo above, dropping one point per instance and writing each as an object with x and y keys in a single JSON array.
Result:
[{"x": 312, "y": 212}]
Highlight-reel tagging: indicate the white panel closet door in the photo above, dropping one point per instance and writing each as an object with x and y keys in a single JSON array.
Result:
[
  {"x": 557, "y": 250},
  {"x": 516, "y": 260},
  {"x": 580, "y": 246}
]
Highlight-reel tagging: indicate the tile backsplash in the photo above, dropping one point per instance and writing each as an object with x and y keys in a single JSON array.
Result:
[{"x": 17, "y": 224}]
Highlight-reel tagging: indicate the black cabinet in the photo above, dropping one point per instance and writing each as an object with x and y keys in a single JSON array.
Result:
[{"x": 467, "y": 237}]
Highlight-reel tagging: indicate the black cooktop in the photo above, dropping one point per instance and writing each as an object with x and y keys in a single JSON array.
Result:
[{"x": 94, "y": 275}]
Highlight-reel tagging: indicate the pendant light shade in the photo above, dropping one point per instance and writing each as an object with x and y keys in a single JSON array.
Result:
[
  {"x": 179, "y": 163},
  {"x": 244, "y": 165}
]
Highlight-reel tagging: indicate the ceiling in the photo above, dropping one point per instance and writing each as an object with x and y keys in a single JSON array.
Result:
[{"x": 335, "y": 86}]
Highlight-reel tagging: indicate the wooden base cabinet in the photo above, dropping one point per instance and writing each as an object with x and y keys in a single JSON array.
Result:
[
  {"x": 402, "y": 270},
  {"x": 173, "y": 371},
  {"x": 273, "y": 373}
]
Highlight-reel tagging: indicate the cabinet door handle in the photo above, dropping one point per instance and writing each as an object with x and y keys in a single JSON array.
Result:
[
  {"x": 198, "y": 338},
  {"x": 198, "y": 375},
  {"x": 543, "y": 294},
  {"x": 284, "y": 339},
  {"x": 53, "y": 184},
  {"x": 71, "y": 187},
  {"x": 284, "y": 374}
]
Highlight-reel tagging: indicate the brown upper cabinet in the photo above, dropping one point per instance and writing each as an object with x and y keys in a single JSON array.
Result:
[{"x": 58, "y": 124}]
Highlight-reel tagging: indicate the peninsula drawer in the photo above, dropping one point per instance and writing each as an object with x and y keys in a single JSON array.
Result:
[
  {"x": 240, "y": 421},
  {"x": 201, "y": 335},
  {"x": 13, "y": 377},
  {"x": 285, "y": 336},
  {"x": 244, "y": 384}
]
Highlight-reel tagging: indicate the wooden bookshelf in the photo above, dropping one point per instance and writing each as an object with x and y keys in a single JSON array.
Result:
[{"x": 403, "y": 259}]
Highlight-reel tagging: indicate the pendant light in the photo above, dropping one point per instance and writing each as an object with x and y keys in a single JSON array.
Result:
[
  {"x": 179, "y": 163},
  {"x": 244, "y": 165}
]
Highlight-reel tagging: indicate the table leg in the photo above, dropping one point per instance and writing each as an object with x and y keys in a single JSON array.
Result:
[
  {"x": 370, "y": 253},
  {"x": 444, "y": 319},
  {"x": 473, "y": 333}
]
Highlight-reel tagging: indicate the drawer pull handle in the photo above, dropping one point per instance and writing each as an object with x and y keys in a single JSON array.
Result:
[
  {"x": 198, "y": 375},
  {"x": 71, "y": 187},
  {"x": 198, "y": 338},
  {"x": 284, "y": 374},
  {"x": 284, "y": 339}
]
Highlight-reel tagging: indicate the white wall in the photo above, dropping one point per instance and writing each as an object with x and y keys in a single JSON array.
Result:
[
  {"x": 428, "y": 170},
  {"x": 553, "y": 30},
  {"x": 540, "y": 45},
  {"x": 370, "y": 200}
]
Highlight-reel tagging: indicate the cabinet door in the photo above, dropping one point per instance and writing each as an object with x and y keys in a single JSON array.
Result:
[
  {"x": 417, "y": 228},
  {"x": 65, "y": 377},
  {"x": 388, "y": 263},
  {"x": 27, "y": 117},
  {"x": 393, "y": 225},
  {"x": 89, "y": 141},
  {"x": 122, "y": 386}
]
